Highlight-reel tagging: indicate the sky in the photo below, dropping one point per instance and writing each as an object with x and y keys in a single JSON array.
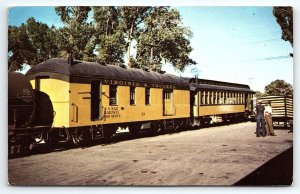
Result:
[{"x": 232, "y": 44}]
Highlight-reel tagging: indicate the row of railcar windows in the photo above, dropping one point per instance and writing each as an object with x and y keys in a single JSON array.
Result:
[
  {"x": 220, "y": 97},
  {"x": 113, "y": 95}
]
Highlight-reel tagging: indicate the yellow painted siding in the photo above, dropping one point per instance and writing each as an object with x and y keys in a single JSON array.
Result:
[
  {"x": 219, "y": 109},
  {"x": 80, "y": 98},
  {"x": 58, "y": 92},
  {"x": 182, "y": 103},
  {"x": 124, "y": 112}
]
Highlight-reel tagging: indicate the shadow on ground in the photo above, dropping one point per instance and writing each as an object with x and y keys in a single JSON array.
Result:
[{"x": 277, "y": 171}]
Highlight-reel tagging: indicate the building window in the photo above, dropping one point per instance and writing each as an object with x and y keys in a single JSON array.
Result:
[
  {"x": 112, "y": 95},
  {"x": 132, "y": 95},
  {"x": 147, "y": 96}
]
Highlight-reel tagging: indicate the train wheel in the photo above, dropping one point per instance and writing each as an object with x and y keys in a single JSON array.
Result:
[
  {"x": 27, "y": 145},
  {"x": 108, "y": 132},
  {"x": 53, "y": 140},
  {"x": 135, "y": 128},
  {"x": 156, "y": 127}
]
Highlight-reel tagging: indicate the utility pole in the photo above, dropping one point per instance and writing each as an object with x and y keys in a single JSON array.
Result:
[
  {"x": 195, "y": 71},
  {"x": 250, "y": 78}
]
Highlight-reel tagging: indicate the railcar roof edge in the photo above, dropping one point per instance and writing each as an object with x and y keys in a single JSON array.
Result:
[
  {"x": 197, "y": 87},
  {"x": 93, "y": 69}
]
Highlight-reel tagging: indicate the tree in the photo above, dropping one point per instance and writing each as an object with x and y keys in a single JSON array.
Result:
[
  {"x": 279, "y": 88},
  {"x": 258, "y": 94},
  {"x": 75, "y": 38},
  {"x": 31, "y": 43},
  {"x": 284, "y": 17},
  {"x": 20, "y": 49},
  {"x": 132, "y": 19},
  {"x": 42, "y": 39},
  {"x": 158, "y": 33},
  {"x": 109, "y": 36},
  {"x": 163, "y": 37}
]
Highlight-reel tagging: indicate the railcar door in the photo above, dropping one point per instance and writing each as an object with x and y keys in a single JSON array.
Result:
[
  {"x": 168, "y": 103},
  {"x": 246, "y": 101},
  {"x": 96, "y": 100}
]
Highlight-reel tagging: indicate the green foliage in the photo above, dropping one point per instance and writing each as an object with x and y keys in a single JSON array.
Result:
[
  {"x": 132, "y": 20},
  {"x": 20, "y": 49},
  {"x": 279, "y": 88},
  {"x": 110, "y": 42},
  {"x": 41, "y": 37},
  {"x": 75, "y": 38},
  {"x": 71, "y": 15},
  {"x": 258, "y": 94},
  {"x": 158, "y": 32},
  {"x": 31, "y": 43},
  {"x": 284, "y": 17},
  {"x": 164, "y": 37}
]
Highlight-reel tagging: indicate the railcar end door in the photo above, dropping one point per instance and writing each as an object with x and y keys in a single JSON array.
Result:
[
  {"x": 96, "y": 100},
  {"x": 168, "y": 103}
]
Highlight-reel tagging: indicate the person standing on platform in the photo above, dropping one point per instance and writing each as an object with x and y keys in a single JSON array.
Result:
[
  {"x": 260, "y": 120},
  {"x": 269, "y": 121}
]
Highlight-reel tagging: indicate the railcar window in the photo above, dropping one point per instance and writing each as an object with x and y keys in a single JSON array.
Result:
[
  {"x": 132, "y": 95},
  {"x": 234, "y": 98},
  {"x": 242, "y": 98},
  {"x": 220, "y": 98},
  {"x": 225, "y": 97},
  {"x": 195, "y": 99},
  {"x": 147, "y": 96},
  {"x": 202, "y": 97},
  {"x": 206, "y": 97},
  {"x": 212, "y": 97},
  {"x": 112, "y": 95},
  {"x": 167, "y": 95}
]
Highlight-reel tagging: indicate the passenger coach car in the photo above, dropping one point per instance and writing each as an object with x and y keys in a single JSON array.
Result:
[
  {"x": 92, "y": 100},
  {"x": 212, "y": 100}
]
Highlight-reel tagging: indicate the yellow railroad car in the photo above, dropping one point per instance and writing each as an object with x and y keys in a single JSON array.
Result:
[
  {"x": 215, "y": 100},
  {"x": 91, "y": 100}
]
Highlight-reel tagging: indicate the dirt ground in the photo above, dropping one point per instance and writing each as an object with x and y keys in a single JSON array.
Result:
[{"x": 220, "y": 155}]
